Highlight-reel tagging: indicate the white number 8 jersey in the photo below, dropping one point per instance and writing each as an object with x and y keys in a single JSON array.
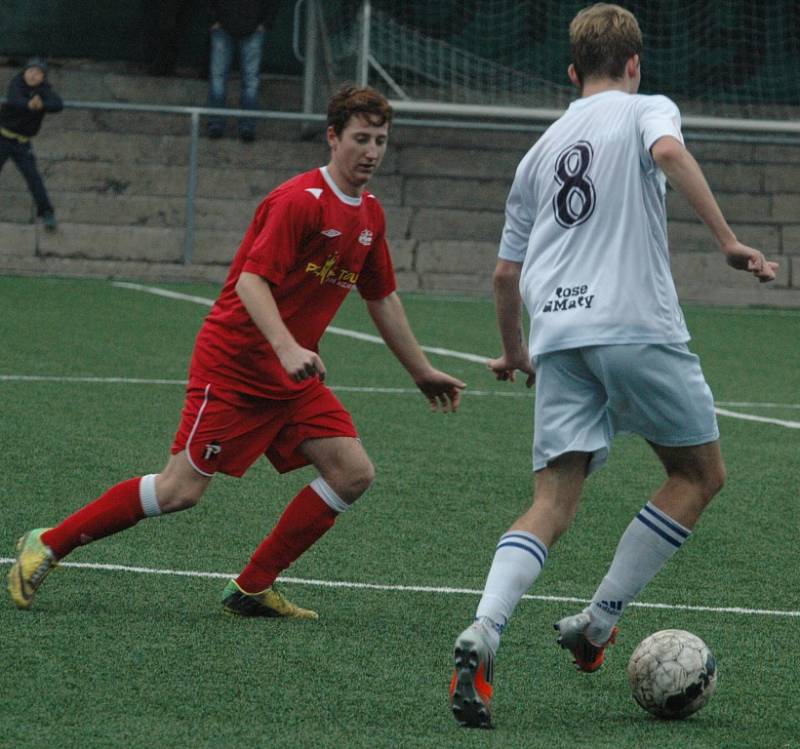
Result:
[{"x": 586, "y": 217}]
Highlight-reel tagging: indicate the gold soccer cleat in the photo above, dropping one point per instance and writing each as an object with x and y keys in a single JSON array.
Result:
[
  {"x": 269, "y": 602},
  {"x": 33, "y": 563}
]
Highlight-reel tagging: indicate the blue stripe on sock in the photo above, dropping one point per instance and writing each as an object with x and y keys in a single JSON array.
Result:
[
  {"x": 535, "y": 541},
  {"x": 534, "y": 552},
  {"x": 653, "y": 527},
  {"x": 682, "y": 532}
]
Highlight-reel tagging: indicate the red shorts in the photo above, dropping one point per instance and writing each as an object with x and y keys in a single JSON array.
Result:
[{"x": 225, "y": 431}]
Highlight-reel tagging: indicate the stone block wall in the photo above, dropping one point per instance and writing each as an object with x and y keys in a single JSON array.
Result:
[{"x": 119, "y": 184}]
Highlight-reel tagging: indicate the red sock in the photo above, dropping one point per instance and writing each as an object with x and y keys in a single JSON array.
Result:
[
  {"x": 302, "y": 524},
  {"x": 119, "y": 508}
]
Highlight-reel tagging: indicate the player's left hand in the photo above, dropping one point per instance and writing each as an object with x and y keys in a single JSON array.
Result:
[
  {"x": 505, "y": 368},
  {"x": 442, "y": 391},
  {"x": 742, "y": 257}
]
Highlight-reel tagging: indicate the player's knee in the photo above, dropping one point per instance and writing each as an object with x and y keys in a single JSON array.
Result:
[
  {"x": 174, "y": 497},
  {"x": 184, "y": 501},
  {"x": 177, "y": 502},
  {"x": 367, "y": 476},
  {"x": 361, "y": 479},
  {"x": 560, "y": 523},
  {"x": 352, "y": 481},
  {"x": 552, "y": 516},
  {"x": 713, "y": 480},
  {"x": 707, "y": 482}
]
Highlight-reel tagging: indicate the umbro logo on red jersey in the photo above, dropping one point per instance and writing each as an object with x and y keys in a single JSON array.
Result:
[{"x": 331, "y": 233}]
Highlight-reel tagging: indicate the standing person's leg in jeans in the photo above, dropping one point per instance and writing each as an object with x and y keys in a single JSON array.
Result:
[
  {"x": 22, "y": 153},
  {"x": 167, "y": 36},
  {"x": 5, "y": 151},
  {"x": 250, "y": 63},
  {"x": 219, "y": 70}
]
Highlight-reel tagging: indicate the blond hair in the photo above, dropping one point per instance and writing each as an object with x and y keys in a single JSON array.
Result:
[{"x": 603, "y": 37}]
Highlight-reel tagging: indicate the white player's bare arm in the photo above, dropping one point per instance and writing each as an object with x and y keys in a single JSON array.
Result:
[
  {"x": 442, "y": 390},
  {"x": 685, "y": 175},
  {"x": 508, "y": 305},
  {"x": 300, "y": 363}
]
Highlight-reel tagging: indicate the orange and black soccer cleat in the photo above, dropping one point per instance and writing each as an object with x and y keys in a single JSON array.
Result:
[
  {"x": 471, "y": 685},
  {"x": 587, "y": 656}
]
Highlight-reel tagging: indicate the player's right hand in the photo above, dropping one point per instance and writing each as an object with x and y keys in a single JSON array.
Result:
[
  {"x": 302, "y": 364},
  {"x": 504, "y": 368}
]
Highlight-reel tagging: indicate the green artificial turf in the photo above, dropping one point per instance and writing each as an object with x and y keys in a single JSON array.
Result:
[{"x": 123, "y": 657}]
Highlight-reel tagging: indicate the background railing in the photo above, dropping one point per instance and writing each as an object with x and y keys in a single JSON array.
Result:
[{"x": 522, "y": 120}]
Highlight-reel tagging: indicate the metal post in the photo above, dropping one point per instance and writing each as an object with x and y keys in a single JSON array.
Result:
[
  {"x": 310, "y": 66},
  {"x": 362, "y": 71},
  {"x": 191, "y": 190}
]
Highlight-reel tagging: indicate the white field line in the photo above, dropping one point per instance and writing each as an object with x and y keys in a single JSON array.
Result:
[
  {"x": 164, "y": 292},
  {"x": 414, "y": 391},
  {"x": 430, "y": 349},
  {"x": 156, "y": 381},
  {"x": 746, "y": 311},
  {"x": 755, "y": 404},
  {"x": 331, "y": 328},
  {"x": 736, "y": 311},
  {"x": 762, "y": 419},
  {"x": 389, "y": 391},
  {"x": 101, "y": 380},
  {"x": 441, "y": 590}
]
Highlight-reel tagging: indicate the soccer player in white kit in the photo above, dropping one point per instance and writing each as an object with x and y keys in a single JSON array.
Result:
[{"x": 585, "y": 248}]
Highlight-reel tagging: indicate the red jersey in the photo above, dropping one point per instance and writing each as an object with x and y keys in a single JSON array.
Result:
[{"x": 312, "y": 243}]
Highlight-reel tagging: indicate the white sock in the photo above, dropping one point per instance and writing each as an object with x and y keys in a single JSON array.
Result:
[
  {"x": 328, "y": 496},
  {"x": 147, "y": 496},
  {"x": 647, "y": 544},
  {"x": 517, "y": 562}
]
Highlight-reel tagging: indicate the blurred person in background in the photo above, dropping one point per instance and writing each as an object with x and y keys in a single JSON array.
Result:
[
  {"x": 29, "y": 98},
  {"x": 173, "y": 18},
  {"x": 237, "y": 25}
]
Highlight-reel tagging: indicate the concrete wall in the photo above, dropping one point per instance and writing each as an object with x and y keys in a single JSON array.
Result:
[{"x": 118, "y": 182}]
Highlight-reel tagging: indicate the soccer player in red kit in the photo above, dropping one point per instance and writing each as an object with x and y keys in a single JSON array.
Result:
[{"x": 256, "y": 380}]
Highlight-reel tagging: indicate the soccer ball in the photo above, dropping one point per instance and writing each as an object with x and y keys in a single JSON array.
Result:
[{"x": 672, "y": 673}]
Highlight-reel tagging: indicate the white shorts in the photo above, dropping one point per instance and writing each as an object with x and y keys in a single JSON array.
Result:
[{"x": 585, "y": 396}]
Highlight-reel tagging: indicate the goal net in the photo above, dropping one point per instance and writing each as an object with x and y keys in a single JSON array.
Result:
[{"x": 728, "y": 58}]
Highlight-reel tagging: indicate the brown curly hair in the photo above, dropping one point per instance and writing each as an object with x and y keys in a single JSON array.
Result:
[{"x": 351, "y": 100}]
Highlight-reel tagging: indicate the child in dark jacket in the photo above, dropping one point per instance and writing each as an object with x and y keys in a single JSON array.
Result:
[{"x": 29, "y": 97}]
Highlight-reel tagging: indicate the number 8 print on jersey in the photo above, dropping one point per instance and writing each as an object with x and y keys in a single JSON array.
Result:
[{"x": 574, "y": 202}]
